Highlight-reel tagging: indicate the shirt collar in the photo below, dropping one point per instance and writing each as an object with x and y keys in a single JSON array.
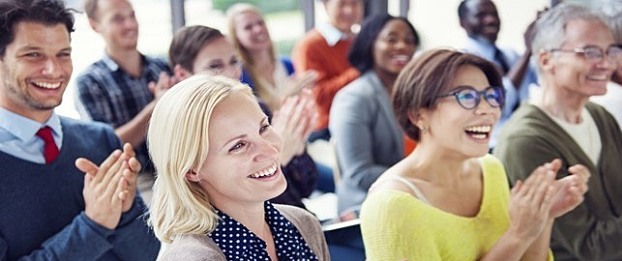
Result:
[
  {"x": 481, "y": 47},
  {"x": 112, "y": 65},
  {"x": 331, "y": 33},
  {"x": 24, "y": 128}
]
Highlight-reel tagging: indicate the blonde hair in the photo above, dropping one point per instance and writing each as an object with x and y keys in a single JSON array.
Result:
[
  {"x": 178, "y": 142},
  {"x": 232, "y": 13}
]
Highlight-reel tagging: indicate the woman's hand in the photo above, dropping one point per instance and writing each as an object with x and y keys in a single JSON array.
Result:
[
  {"x": 531, "y": 202},
  {"x": 294, "y": 122},
  {"x": 300, "y": 82}
]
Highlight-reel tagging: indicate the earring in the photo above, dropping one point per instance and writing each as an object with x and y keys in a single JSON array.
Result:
[{"x": 424, "y": 129}]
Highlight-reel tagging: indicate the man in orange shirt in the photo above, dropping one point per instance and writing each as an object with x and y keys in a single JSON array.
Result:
[{"x": 324, "y": 49}]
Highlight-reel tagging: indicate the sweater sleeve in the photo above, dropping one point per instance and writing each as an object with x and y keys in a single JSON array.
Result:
[
  {"x": 133, "y": 239},
  {"x": 83, "y": 239},
  {"x": 580, "y": 231}
]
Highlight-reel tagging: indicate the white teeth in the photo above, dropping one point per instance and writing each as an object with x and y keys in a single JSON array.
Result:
[
  {"x": 266, "y": 172},
  {"x": 401, "y": 58},
  {"x": 598, "y": 77},
  {"x": 479, "y": 136},
  {"x": 480, "y": 129},
  {"x": 47, "y": 85}
]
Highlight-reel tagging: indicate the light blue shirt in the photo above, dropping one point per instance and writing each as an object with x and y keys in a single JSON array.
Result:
[
  {"x": 513, "y": 97},
  {"x": 331, "y": 34},
  {"x": 17, "y": 135}
]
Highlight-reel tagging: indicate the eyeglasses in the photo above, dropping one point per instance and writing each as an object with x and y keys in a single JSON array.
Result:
[
  {"x": 468, "y": 97},
  {"x": 595, "y": 53}
]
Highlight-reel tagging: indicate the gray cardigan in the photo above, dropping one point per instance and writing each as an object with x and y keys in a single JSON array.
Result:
[
  {"x": 368, "y": 140},
  {"x": 203, "y": 248}
]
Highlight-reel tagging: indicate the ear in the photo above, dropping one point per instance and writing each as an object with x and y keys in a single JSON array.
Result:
[
  {"x": 94, "y": 25},
  {"x": 462, "y": 24},
  {"x": 193, "y": 176},
  {"x": 419, "y": 118},
  {"x": 181, "y": 73},
  {"x": 545, "y": 60}
]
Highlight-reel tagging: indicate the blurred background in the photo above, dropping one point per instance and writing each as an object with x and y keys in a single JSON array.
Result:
[{"x": 287, "y": 20}]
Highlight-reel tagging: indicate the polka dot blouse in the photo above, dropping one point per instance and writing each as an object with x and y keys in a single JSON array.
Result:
[{"x": 238, "y": 243}]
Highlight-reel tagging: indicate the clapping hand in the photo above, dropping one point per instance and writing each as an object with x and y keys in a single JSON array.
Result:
[
  {"x": 569, "y": 190},
  {"x": 530, "y": 203},
  {"x": 110, "y": 189},
  {"x": 103, "y": 187}
]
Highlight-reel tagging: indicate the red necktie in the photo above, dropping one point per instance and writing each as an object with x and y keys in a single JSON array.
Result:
[{"x": 50, "y": 150}]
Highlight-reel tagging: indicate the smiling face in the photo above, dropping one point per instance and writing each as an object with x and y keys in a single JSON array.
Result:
[
  {"x": 251, "y": 31},
  {"x": 456, "y": 129},
  {"x": 218, "y": 57},
  {"x": 343, "y": 14},
  {"x": 242, "y": 165},
  {"x": 116, "y": 21},
  {"x": 481, "y": 20},
  {"x": 573, "y": 74},
  {"x": 394, "y": 47},
  {"x": 35, "y": 69}
]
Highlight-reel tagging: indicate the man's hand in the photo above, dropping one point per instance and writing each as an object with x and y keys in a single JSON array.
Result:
[
  {"x": 569, "y": 190},
  {"x": 103, "y": 187},
  {"x": 130, "y": 177}
]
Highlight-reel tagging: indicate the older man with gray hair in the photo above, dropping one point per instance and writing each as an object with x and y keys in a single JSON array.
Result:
[{"x": 576, "y": 57}]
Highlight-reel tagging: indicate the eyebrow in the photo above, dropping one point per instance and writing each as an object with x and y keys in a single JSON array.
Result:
[
  {"x": 263, "y": 121},
  {"x": 28, "y": 48}
]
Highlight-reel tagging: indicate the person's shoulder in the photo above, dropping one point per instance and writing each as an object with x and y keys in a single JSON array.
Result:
[
  {"x": 92, "y": 131},
  {"x": 525, "y": 120},
  {"x": 287, "y": 62},
  {"x": 160, "y": 61},
  {"x": 312, "y": 38},
  {"x": 93, "y": 71},
  {"x": 362, "y": 86},
  {"x": 85, "y": 126},
  {"x": 294, "y": 213},
  {"x": 492, "y": 167},
  {"x": 192, "y": 248}
]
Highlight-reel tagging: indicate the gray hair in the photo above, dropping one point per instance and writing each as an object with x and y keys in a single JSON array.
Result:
[
  {"x": 550, "y": 31},
  {"x": 615, "y": 23}
]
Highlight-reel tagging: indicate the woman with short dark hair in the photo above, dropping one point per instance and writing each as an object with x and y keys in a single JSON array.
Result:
[{"x": 449, "y": 199}]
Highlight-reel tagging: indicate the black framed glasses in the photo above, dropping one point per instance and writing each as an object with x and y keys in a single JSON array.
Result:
[
  {"x": 595, "y": 53},
  {"x": 469, "y": 98}
]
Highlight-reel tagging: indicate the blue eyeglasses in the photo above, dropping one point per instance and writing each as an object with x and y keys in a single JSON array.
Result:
[{"x": 468, "y": 97}]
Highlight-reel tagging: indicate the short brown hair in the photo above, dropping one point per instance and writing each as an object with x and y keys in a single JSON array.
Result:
[
  {"x": 188, "y": 42},
  {"x": 428, "y": 76}
]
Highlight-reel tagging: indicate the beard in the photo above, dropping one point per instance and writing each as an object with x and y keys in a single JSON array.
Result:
[{"x": 19, "y": 94}]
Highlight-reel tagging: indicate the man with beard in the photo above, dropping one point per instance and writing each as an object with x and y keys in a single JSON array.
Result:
[{"x": 49, "y": 209}]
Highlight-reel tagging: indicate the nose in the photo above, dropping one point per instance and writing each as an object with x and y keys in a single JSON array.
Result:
[
  {"x": 490, "y": 19},
  {"x": 233, "y": 71},
  {"x": 266, "y": 149},
  {"x": 52, "y": 68},
  {"x": 131, "y": 22},
  {"x": 483, "y": 107},
  {"x": 403, "y": 44}
]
